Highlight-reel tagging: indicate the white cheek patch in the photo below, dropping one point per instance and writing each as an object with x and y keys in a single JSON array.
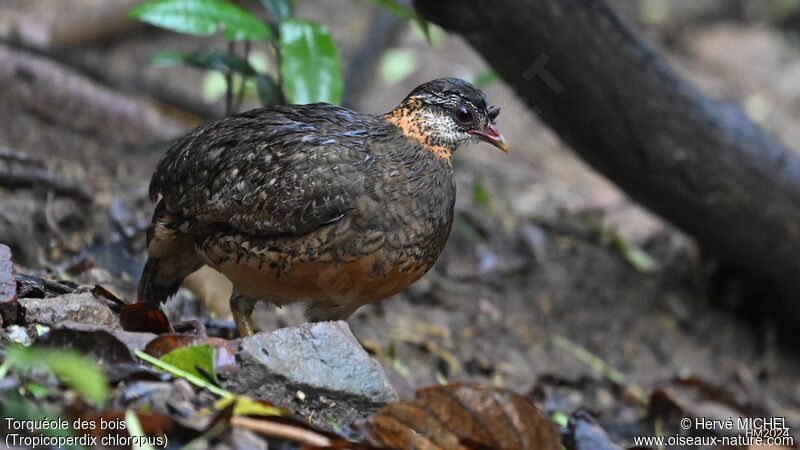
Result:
[{"x": 472, "y": 139}]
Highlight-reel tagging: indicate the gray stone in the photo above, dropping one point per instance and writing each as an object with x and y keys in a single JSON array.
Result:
[
  {"x": 134, "y": 340},
  {"x": 318, "y": 369},
  {"x": 18, "y": 334},
  {"x": 9, "y": 307},
  {"x": 79, "y": 307}
]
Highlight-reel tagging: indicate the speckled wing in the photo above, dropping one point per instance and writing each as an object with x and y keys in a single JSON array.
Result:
[{"x": 279, "y": 170}]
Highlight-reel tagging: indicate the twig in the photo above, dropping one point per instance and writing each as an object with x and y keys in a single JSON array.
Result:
[
  {"x": 283, "y": 431},
  {"x": 51, "y": 221},
  {"x": 229, "y": 82},
  {"x": 384, "y": 29},
  {"x": 278, "y": 78},
  {"x": 194, "y": 379},
  {"x": 18, "y": 170},
  {"x": 598, "y": 365},
  {"x": 243, "y": 81}
]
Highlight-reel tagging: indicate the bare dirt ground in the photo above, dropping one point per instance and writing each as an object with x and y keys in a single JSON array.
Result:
[{"x": 531, "y": 278}]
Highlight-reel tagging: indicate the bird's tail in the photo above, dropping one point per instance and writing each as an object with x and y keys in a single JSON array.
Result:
[{"x": 171, "y": 257}]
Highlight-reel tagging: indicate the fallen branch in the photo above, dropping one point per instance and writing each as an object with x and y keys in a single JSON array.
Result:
[
  {"x": 60, "y": 95},
  {"x": 282, "y": 431},
  {"x": 696, "y": 161},
  {"x": 18, "y": 170},
  {"x": 81, "y": 25}
]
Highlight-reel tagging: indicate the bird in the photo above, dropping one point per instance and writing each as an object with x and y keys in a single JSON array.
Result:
[{"x": 314, "y": 204}]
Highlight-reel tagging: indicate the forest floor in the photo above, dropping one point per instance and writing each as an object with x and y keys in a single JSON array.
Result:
[{"x": 546, "y": 285}]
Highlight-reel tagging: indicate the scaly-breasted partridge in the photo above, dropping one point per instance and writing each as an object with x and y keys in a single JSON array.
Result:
[{"x": 314, "y": 203}]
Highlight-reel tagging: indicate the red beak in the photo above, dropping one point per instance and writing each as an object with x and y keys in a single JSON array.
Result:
[{"x": 491, "y": 135}]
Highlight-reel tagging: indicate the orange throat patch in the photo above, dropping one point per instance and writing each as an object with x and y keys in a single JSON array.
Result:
[{"x": 409, "y": 120}]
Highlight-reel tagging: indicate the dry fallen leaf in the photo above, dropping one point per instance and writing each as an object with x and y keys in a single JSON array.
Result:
[
  {"x": 144, "y": 317},
  {"x": 224, "y": 354},
  {"x": 463, "y": 416}
]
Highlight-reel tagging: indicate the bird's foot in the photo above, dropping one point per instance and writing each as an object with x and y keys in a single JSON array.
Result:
[
  {"x": 242, "y": 311},
  {"x": 191, "y": 325}
]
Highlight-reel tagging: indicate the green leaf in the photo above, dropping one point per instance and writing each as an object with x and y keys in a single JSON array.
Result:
[
  {"x": 197, "y": 360},
  {"x": 74, "y": 369},
  {"x": 397, "y": 8},
  {"x": 37, "y": 390},
  {"x": 214, "y": 87},
  {"x": 280, "y": 10},
  {"x": 334, "y": 424},
  {"x": 20, "y": 408},
  {"x": 559, "y": 418},
  {"x": 310, "y": 67},
  {"x": 226, "y": 396},
  {"x": 397, "y": 65},
  {"x": 480, "y": 195},
  {"x": 486, "y": 78},
  {"x": 406, "y": 12},
  {"x": 135, "y": 430},
  {"x": 203, "y": 18},
  {"x": 246, "y": 406},
  {"x": 259, "y": 61},
  {"x": 635, "y": 255},
  {"x": 199, "y": 381},
  {"x": 211, "y": 60},
  {"x": 269, "y": 93}
]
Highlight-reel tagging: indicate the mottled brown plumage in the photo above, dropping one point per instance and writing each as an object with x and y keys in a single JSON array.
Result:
[{"x": 313, "y": 203}]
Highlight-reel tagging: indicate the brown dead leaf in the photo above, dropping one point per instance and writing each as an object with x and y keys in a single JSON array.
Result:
[
  {"x": 145, "y": 317},
  {"x": 698, "y": 398},
  {"x": 166, "y": 343},
  {"x": 114, "y": 300},
  {"x": 463, "y": 416}
]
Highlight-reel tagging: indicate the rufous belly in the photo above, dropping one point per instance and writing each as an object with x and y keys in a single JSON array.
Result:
[{"x": 265, "y": 276}]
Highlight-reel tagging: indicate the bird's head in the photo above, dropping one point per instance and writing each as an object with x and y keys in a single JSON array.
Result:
[{"x": 446, "y": 113}]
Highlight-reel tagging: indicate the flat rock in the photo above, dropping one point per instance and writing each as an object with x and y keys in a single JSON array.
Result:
[
  {"x": 318, "y": 369},
  {"x": 80, "y": 307},
  {"x": 8, "y": 286},
  {"x": 133, "y": 340}
]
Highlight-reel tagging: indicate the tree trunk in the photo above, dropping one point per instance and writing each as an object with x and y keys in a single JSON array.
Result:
[{"x": 698, "y": 162}]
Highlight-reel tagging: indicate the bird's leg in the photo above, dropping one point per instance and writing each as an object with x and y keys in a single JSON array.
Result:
[
  {"x": 194, "y": 324},
  {"x": 242, "y": 310},
  {"x": 327, "y": 311}
]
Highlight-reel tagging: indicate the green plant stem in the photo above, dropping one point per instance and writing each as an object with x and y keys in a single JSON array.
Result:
[
  {"x": 598, "y": 365},
  {"x": 4, "y": 368},
  {"x": 174, "y": 371}
]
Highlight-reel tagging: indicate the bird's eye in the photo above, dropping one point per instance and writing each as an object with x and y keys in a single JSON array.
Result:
[{"x": 464, "y": 115}]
